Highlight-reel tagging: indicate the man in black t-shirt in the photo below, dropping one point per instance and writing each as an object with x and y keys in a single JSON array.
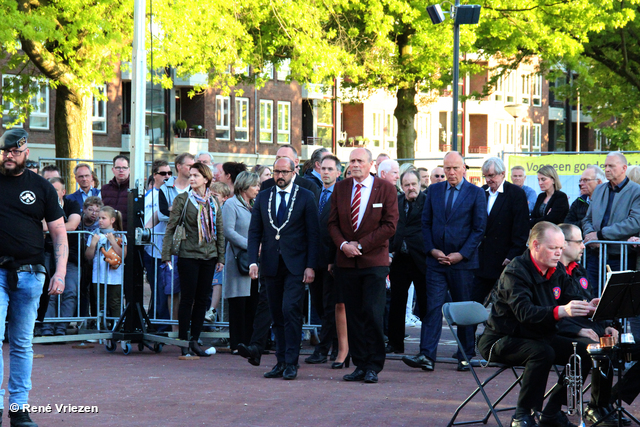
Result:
[
  {"x": 27, "y": 199},
  {"x": 69, "y": 298}
]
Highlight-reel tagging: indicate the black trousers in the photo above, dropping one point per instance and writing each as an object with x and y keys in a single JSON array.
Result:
[
  {"x": 537, "y": 357},
  {"x": 242, "y": 311},
  {"x": 323, "y": 298},
  {"x": 402, "y": 273},
  {"x": 261, "y": 319},
  {"x": 285, "y": 292},
  {"x": 364, "y": 299},
  {"x": 196, "y": 277}
]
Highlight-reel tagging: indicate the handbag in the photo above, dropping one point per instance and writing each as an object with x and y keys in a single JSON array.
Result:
[
  {"x": 242, "y": 260},
  {"x": 179, "y": 233}
]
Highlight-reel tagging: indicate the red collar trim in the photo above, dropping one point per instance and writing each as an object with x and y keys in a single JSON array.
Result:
[
  {"x": 571, "y": 267},
  {"x": 550, "y": 271}
]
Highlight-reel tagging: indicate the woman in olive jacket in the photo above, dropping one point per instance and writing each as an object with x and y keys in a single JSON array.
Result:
[{"x": 201, "y": 252}]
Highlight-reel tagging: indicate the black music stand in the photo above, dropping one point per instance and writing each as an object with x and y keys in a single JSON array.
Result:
[{"x": 620, "y": 300}]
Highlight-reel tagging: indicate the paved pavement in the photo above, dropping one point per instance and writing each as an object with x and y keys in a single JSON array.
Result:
[{"x": 147, "y": 389}]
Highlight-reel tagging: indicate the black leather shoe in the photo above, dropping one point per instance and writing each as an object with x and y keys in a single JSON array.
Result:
[
  {"x": 250, "y": 352},
  {"x": 419, "y": 361},
  {"x": 463, "y": 366},
  {"x": 371, "y": 377},
  {"x": 316, "y": 358},
  {"x": 21, "y": 419},
  {"x": 277, "y": 371},
  {"x": 290, "y": 372},
  {"x": 391, "y": 349},
  {"x": 558, "y": 420},
  {"x": 357, "y": 375},
  {"x": 593, "y": 414},
  {"x": 526, "y": 421},
  {"x": 197, "y": 350}
]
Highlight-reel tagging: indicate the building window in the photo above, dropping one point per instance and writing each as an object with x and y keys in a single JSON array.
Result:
[
  {"x": 266, "y": 121},
  {"x": 267, "y": 71},
  {"x": 497, "y": 133},
  {"x": 284, "y": 70},
  {"x": 156, "y": 118},
  {"x": 537, "y": 90},
  {"x": 443, "y": 131},
  {"x": 323, "y": 109},
  {"x": 537, "y": 137},
  {"x": 377, "y": 128},
  {"x": 510, "y": 134},
  {"x": 391, "y": 130},
  {"x": 99, "y": 112},
  {"x": 510, "y": 87},
  {"x": 284, "y": 122},
  {"x": 525, "y": 97},
  {"x": 222, "y": 117},
  {"x": 498, "y": 91},
  {"x": 8, "y": 117},
  {"x": 525, "y": 137},
  {"x": 242, "y": 119}
]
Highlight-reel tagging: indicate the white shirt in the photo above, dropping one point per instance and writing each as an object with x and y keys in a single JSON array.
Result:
[
  {"x": 287, "y": 190},
  {"x": 365, "y": 193},
  {"x": 493, "y": 196}
]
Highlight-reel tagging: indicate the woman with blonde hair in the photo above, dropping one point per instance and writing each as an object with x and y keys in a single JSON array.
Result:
[{"x": 552, "y": 204}]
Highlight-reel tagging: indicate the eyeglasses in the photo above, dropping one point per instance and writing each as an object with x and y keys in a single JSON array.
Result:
[
  {"x": 277, "y": 172},
  {"x": 439, "y": 176},
  {"x": 491, "y": 175},
  {"x": 31, "y": 164},
  {"x": 164, "y": 173},
  {"x": 585, "y": 180},
  {"x": 121, "y": 168},
  {"x": 13, "y": 153}
]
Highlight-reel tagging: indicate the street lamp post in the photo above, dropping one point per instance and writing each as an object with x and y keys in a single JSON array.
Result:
[{"x": 461, "y": 14}]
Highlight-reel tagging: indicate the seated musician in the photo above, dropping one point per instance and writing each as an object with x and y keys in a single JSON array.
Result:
[
  {"x": 588, "y": 331},
  {"x": 530, "y": 297}
]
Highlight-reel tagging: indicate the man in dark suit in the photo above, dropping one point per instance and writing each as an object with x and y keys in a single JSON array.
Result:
[
  {"x": 453, "y": 222},
  {"x": 363, "y": 218},
  {"x": 314, "y": 173},
  {"x": 409, "y": 260},
  {"x": 288, "y": 214},
  {"x": 323, "y": 294},
  {"x": 262, "y": 319},
  {"x": 507, "y": 230}
]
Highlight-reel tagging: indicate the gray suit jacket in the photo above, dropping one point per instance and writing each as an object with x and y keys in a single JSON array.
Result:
[
  {"x": 624, "y": 221},
  {"x": 236, "y": 218}
]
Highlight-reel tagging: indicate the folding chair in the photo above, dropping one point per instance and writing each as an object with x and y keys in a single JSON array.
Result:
[{"x": 471, "y": 313}]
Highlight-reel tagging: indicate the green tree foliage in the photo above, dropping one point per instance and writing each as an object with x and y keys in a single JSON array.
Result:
[
  {"x": 76, "y": 46},
  {"x": 598, "y": 40}
]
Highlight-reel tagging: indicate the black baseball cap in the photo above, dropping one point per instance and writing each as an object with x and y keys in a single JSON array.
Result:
[{"x": 13, "y": 138}]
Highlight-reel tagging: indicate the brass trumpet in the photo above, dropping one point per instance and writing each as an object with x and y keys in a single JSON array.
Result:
[{"x": 573, "y": 381}]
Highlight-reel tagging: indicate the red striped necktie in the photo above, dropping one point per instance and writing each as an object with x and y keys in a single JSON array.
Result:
[{"x": 355, "y": 207}]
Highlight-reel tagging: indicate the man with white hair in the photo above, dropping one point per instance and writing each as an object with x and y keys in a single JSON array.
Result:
[
  {"x": 206, "y": 158},
  {"x": 590, "y": 179},
  {"x": 614, "y": 213},
  {"x": 389, "y": 170}
]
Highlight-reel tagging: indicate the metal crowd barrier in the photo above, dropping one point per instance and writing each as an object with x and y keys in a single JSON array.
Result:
[{"x": 99, "y": 325}]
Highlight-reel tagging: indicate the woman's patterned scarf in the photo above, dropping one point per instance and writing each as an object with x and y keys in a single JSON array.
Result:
[{"x": 206, "y": 217}]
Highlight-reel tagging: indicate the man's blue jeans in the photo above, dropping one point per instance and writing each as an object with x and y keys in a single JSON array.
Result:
[{"x": 24, "y": 307}]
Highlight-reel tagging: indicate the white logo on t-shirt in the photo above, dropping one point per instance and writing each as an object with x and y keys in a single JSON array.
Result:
[{"x": 27, "y": 197}]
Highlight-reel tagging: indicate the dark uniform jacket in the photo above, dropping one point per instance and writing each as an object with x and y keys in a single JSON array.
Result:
[
  {"x": 577, "y": 211},
  {"x": 524, "y": 300},
  {"x": 570, "y": 326}
]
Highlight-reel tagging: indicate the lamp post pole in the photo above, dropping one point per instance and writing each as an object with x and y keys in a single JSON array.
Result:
[{"x": 456, "y": 78}]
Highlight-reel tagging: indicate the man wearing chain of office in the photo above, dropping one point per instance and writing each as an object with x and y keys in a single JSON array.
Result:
[
  {"x": 27, "y": 199},
  {"x": 284, "y": 220}
]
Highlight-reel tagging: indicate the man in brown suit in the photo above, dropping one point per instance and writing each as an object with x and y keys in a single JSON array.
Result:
[{"x": 362, "y": 220}]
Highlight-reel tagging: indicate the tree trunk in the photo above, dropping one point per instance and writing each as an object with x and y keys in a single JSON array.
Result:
[
  {"x": 72, "y": 121},
  {"x": 405, "y": 113}
]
